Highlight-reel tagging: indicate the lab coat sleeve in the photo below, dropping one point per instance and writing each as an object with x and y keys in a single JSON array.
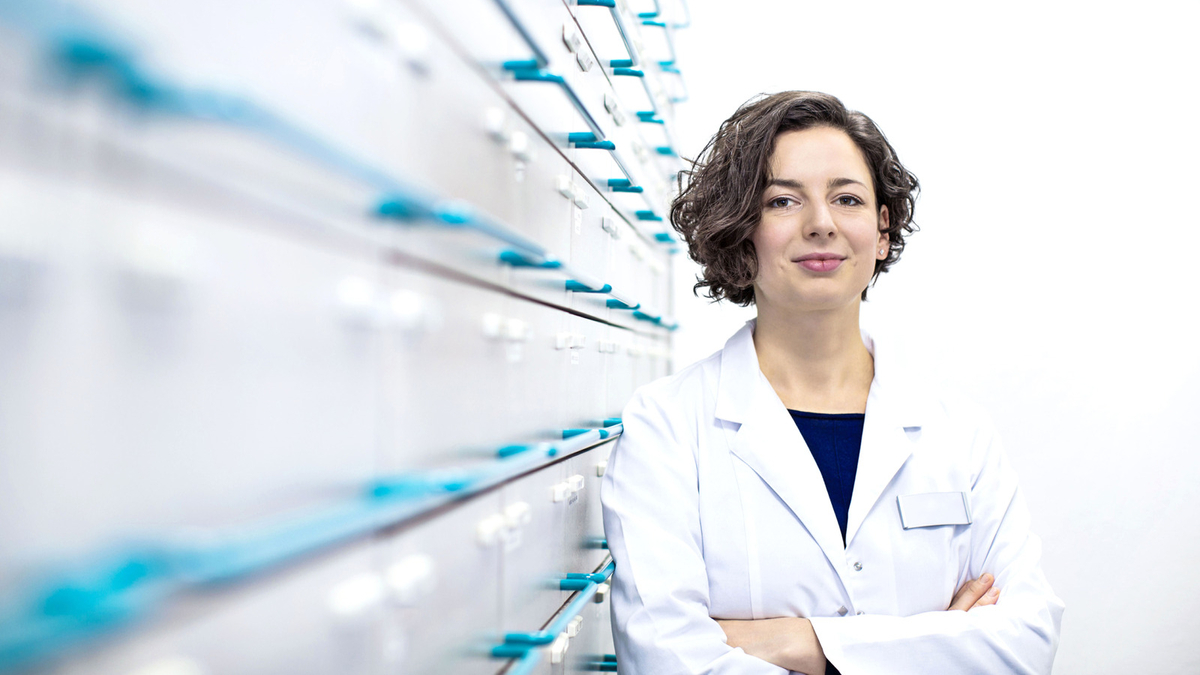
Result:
[
  {"x": 1019, "y": 634},
  {"x": 661, "y": 623}
]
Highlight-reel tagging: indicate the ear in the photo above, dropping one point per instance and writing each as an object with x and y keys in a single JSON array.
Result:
[{"x": 884, "y": 240}]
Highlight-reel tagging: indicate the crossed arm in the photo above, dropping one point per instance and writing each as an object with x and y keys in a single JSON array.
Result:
[
  {"x": 660, "y": 593},
  {"x": 792, "y": 643}
]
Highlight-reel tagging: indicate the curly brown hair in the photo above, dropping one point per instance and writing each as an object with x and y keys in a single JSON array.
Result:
[{"x": 720, "y": 205}]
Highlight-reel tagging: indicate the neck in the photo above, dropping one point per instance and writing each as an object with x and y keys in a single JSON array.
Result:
[{"x": 815, "y": 360}]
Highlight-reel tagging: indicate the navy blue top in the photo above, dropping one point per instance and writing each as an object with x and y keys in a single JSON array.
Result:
[{"x": 834, "y": 440}]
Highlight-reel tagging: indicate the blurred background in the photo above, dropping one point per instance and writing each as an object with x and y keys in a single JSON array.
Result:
[{"x": 317, "y": 318}]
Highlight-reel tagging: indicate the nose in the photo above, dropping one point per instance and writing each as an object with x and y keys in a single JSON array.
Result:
[{"x": 819, "y": 223}]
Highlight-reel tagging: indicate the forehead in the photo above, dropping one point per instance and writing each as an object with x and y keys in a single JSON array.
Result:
[{"x": 806, "y": 155}]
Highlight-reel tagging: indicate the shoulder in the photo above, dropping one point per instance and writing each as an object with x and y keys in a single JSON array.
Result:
[
  {"x": 692, "y": 389},
  {"x": 920, "y": 397},
  {"x": 956, "y": 408},
  {"x": 966, "y": 431},
  {"x": 673, "y": 408},
  {"x": 952, "y": 427}
]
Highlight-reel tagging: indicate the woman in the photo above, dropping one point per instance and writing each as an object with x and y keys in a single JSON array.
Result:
[{"x": 795, "y": 502}]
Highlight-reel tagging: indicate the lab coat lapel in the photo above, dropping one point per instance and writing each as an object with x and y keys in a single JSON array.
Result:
[
  {"x": 886, "y": 446},
  {"x": 770, "y": 444}
]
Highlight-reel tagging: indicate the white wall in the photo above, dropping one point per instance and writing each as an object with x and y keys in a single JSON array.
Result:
[{"x": 1052, "y": 278}]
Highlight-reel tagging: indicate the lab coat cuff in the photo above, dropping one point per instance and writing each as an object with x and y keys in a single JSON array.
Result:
[{"x": 828, "y": 635}]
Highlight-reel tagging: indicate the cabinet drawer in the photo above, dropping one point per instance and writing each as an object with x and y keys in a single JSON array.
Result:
[
  {"x": 444, "y": 577},
  {"x": 174, "y": 370},
  {"x": 469, "y": 370},
  {"x": 319, "y": 617}
]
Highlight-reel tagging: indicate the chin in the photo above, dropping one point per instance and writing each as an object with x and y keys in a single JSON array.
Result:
[{"x": 820, "y": 302}]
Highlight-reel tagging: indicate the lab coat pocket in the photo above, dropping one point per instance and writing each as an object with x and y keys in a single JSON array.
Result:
[
  {"x": 931, "y": 537},
  {"x": 931, "y": 509}
]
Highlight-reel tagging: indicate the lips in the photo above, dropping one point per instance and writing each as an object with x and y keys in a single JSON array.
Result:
[{"x": 820, "y": 262}]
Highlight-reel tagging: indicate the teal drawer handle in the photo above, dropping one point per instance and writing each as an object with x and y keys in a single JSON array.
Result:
[
  {"x": 589, "y": 141},
  {"x": 610, "y": 429},
  {"x": 518, "y": 259},
  {"x": 597, "y": 577},
  {"x": 628, "y": 72},
  {"x": 612, "y": 421},
  {"x": 607, "y": 663},
  {"x": 410, "y": 487},
  {"x": 617, "y": 301},
  {"x": 512, "y": 450},
  {"x": 664, "y": 237},
  {"x": 656, "y": 319},
  {"x": 687, "y": 14},
  {"x": 453, "y": 213},
  {"x": 624, "y": 185},
  {"x": 643, "y": 316},
  {"x": 603, "y": 433},
  {"x": 573, "y": 584},
  {"x": 650, "y": 117},
  {"x": 516, "y": 643},
  {"x": 581, "y": 287},
  {"x": 648, "y": 216}
]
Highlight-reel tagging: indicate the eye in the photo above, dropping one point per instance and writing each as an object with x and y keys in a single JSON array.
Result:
[
  {"x": 849, "y": 200},
  {"x": 781, "y": 202}
]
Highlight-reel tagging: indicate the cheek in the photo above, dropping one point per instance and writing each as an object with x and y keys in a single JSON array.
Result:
[
  {"x": 769, "y": 243},
  {"x": 868, "y": 240}
]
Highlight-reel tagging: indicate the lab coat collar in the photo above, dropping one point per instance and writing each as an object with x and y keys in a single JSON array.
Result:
[
  {"x": 740, "y": 376},
  {"x": 769, "y": 442}
]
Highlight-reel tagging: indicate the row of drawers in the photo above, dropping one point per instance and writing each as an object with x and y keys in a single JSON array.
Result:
[
  {"x": 214, "y": 317},
  {"x": 434, "y": 597},
  {"x": 159, "y": 369},
  {"x": 446, "y": 129},
  {"x": 600, "y": 90}
]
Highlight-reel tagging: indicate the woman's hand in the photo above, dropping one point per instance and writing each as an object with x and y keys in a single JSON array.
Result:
[
  {"x": 787, "y": 642},
  {"x": 975, "y": 593}
]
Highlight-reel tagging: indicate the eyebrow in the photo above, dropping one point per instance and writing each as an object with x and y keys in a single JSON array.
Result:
[{"x": 797, "y": 185}]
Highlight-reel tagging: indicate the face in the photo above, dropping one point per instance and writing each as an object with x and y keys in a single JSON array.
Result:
[{"x": 820, "y": 232}]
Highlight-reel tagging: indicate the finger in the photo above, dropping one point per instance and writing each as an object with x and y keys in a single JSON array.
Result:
[
  {"x": 971, "y": 592},
  {"x": 988, "y": 598}
]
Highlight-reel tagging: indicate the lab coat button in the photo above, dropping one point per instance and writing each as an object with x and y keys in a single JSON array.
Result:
[
  {"x": 860, "y": 612},
  {"x": 842, "y": 611},
  {"x": 857, "y": 567}
]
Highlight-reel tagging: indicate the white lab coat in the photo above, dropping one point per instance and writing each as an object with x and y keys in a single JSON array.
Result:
[{"x": 714, "y": 507}]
